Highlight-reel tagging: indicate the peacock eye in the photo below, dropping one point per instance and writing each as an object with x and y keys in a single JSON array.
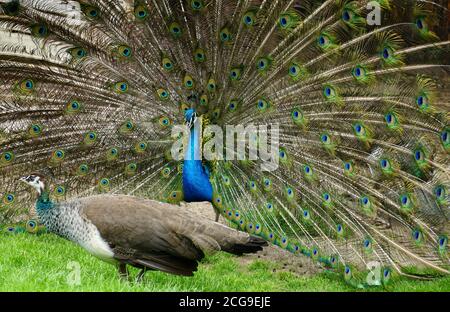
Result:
[
  {"x": 386, "y": 53},
  {"x": 346, "y": 15},
  {"x": 140, "y": 12},
  {"x": 175, "y": 30},
  {"x": 196, "y": 5},
  {"x": 249, "y": 18},
  {"x": 125, "y": 51}
]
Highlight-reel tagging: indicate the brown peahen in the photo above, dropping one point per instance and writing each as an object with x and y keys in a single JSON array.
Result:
[
  {"x": 93, "y": 91},
  {"x": 144, "y": 233}
]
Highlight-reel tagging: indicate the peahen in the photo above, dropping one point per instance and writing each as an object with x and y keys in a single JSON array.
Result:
[
  {"x": 93, "y": 90},
  {"x": 126, "y": 230}
]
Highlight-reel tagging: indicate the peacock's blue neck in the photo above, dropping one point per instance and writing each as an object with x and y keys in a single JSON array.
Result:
[
  {"x": 43, "y": 203},
  {"x": 196, "y": 184}
]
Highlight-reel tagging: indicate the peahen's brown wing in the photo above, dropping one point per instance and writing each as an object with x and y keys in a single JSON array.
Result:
[{"x": 161, "y": 236}]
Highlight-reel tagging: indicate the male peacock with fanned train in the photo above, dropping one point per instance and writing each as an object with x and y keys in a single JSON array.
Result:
[{"x": 90, "y": 95}]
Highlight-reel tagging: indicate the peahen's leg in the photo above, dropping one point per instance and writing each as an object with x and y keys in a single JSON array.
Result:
[
  {"x": 140, "y": 276},
  {"x": 123, "y": 271},
  {"x": 217, "y": 215}
]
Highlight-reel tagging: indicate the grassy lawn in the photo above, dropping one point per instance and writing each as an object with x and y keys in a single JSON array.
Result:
[{"x": 46, "y": 262}]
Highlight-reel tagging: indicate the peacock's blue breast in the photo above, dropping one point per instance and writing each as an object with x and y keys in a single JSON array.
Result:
[{"x": 196, "y": 184}]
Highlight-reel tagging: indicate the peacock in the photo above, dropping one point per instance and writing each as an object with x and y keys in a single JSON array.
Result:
[
  {"x": 350, "y": 99},
  {"x": 126, "y": 230}
]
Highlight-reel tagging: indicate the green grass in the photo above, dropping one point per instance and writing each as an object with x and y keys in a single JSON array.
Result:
[{"x": 43, "y": 263}]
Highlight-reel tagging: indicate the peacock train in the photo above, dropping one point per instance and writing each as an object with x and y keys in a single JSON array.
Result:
[{"x": 92, "y": 90}]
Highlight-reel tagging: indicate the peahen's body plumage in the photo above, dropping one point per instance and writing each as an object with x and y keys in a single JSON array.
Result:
[{"x": 363, "y": 112}]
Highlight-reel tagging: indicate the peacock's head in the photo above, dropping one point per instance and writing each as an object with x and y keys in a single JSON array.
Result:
[
  {"x": 190, "y": 116},
  {"x": 36, "y": 181}
]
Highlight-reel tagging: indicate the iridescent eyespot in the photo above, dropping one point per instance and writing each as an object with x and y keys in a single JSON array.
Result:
[
  {"x": 175, "y": 29},
  {"x": 167, "y": 64},
  {"x": 386, "y": 53},
  {"x": 35, "y": 130},
  {"x": 90, "y": 11},
  {"x": 262, "y": 64},
  {"x": 121, "y": 87},
  {"x": 225, "y": 35},
  {"x": 27, "y": 86},
  {"x": 233, "y": 105},
  {"x": 188, "y": 82},
  {"x": 166, "y": 172},
  {"x": 164, "y": 121},
  {"x": 163, "y": 94},
  {"x": 249, "y": 18},
  {"x": 140, "y": 12},
  {"x": 125, "y": 51},
  {"x": 73, "y": 107},
  {"x": 346, "y": 15},
  {"x": 235, "y": 74},
  {"x": 60, "y": 191},
  {"x": 32, "y": 226},
  {"x": 39, "y": 30},
  {"x": 90, "y": 138},
  {"x": 445, "y": 137},
  {"x": 211, "y": 85},
  {"x": 329, "y": 92},
  {"x": 348, "y": 166},
  {"x": 262, "y": 105},
  {"x": 197, "y": 5},
  {"x": 83, "y": 169},
  {"x": 204, "y": 100},
  {"x": 140, "y": 147},
  {"x": 8, "y": 199},
  {"x": 325, "y": 138},
  {"x": 284, "y": 21},
  {"x": 130, "y": 169},
  {"x": 417, "y": 235},
  {"x": 78, "y": 53},
  {"x": 199, "y": 55},
  {"x": 58, "y": 155}
]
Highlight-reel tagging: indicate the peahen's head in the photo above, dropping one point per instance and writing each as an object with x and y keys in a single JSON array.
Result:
[
  {"x": 36, "y": 180},
  {"x": 189, "y": 116}
]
